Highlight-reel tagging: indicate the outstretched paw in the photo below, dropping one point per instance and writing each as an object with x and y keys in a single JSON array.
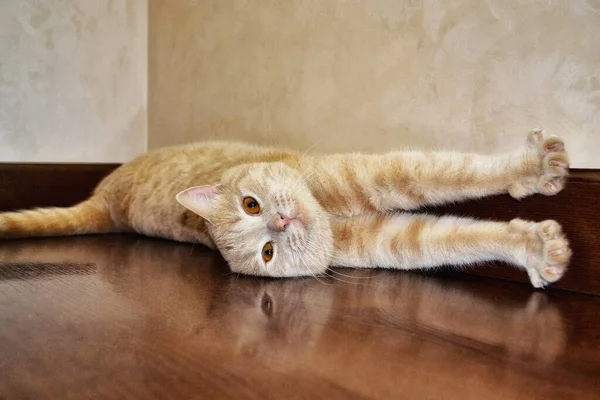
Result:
[
  {"x": 545, "y": 166},
  {"x": 549, "y": 253}
]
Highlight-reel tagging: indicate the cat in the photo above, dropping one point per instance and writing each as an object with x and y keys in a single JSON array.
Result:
[{"x": 281, "y": 213}]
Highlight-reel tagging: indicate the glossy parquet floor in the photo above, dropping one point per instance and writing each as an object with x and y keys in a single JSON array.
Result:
[{"x": 124, "y": 317}]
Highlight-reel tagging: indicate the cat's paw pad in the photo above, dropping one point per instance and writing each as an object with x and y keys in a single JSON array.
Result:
[
  {"x": 552, "y": 162},
  {"x": 549, "y": 255}
]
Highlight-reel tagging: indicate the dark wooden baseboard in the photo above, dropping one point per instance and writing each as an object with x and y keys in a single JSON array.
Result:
[
  {"x": 576, "y": 208},
  {"x": 46, "y": 185}
]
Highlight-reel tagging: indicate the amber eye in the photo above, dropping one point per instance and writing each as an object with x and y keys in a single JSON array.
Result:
[
  {"x": 267, "y": 252},
  {"x": 251, "y": 205}
]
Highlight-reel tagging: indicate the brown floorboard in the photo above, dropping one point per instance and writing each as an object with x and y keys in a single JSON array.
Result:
[{"x": 124, "y": 317}]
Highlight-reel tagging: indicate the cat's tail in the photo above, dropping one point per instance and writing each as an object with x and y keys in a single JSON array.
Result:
[{"x": 90, "y": 216}]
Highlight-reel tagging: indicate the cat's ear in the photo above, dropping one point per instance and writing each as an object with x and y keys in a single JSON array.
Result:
[{"x": 201, "y": 200}]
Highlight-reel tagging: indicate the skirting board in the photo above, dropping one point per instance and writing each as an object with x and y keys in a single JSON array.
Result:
[
  {"x": 48, "y": 185},
  {"x": 576, "y": 208}
]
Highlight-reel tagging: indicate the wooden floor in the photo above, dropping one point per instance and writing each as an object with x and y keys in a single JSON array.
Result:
[{"x": 123, "y": 317}]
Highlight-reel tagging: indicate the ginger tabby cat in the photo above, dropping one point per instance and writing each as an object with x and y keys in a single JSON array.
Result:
[{"x": 279, "y": 213}]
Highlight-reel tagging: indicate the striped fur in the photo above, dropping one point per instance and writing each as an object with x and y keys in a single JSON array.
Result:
[
  {"x": 342, "y": 203},
  {"x": 407, "y": 241}
]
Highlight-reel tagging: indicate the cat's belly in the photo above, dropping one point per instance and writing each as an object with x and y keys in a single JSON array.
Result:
[
  {"x": 162, "y": 219},
  {"x": 180, "y": 234}
]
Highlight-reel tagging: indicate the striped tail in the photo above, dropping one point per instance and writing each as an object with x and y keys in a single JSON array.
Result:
[{"x": 83, "y": 218}]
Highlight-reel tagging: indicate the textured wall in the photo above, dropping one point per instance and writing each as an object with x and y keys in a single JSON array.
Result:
[
  {"x": 375, "y": 74},
  {"x": 73, "y": 80}
]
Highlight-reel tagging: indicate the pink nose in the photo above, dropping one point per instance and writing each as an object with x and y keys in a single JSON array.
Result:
[{"x": 279, "y": 222}]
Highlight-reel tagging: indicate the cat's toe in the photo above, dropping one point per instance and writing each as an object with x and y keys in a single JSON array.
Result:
[
  {"x": 555, "y": 168},
  {"x": 550, "y": 186},
  {"x": 543, "y": 143},
  {"x": 552, "y": 144},
  {"x": 548, "y": 230},
  {"x": 556, "y": 164},
  {"x": 535, "y": 138}
]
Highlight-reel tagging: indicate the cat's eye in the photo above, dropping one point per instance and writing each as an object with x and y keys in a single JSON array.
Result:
[
  {"x": 251, "y": 205},
  {"x": 267, "y": 252}
]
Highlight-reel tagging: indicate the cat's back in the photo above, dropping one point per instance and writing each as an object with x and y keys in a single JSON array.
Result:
[
  {"x": 202, "y": 153},
  {"x": 190, "y": 164}
]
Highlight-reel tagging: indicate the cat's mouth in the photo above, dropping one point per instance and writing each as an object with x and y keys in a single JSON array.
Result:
[
  {"x": 296, "y": 228},
  {"x": 301, "y": 220},
  {"x": 295, "y": 242}
]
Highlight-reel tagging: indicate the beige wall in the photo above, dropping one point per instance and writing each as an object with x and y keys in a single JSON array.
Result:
[
  {"x": 336, "y": 75},
  {"x": 376, "y": 74},
  {"x": 73, "y": 80}
]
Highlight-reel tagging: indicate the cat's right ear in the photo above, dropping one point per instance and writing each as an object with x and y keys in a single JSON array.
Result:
[{"x": 201, "y": 200}]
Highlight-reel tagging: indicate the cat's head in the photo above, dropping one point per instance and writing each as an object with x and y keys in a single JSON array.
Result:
[{"x": 264, "y": 221}]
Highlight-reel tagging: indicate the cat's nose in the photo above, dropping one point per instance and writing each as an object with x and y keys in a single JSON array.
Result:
[{"x": 279, "y": 222}]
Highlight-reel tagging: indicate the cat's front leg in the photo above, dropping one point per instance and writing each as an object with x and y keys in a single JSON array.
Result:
[
  {"x": 351, "y": 184},
  {"x": 407, "y": 241},
  {"x": 413, "y": 179}
]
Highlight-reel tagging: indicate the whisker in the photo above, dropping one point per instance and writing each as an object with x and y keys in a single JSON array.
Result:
[
  {"x": 302, "y": 181},
  {"x": 312, "y": 247},
  {"x": 349, "y": 276},
  {"x": 306, "y": 152},
  {"x": 312, "y": 258}
]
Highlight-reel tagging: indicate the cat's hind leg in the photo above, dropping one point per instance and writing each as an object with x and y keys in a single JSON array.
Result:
[{"x": 420, "y": 241}]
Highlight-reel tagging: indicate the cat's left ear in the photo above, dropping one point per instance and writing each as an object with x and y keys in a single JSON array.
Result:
[{"x": 201, "y": 200}]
